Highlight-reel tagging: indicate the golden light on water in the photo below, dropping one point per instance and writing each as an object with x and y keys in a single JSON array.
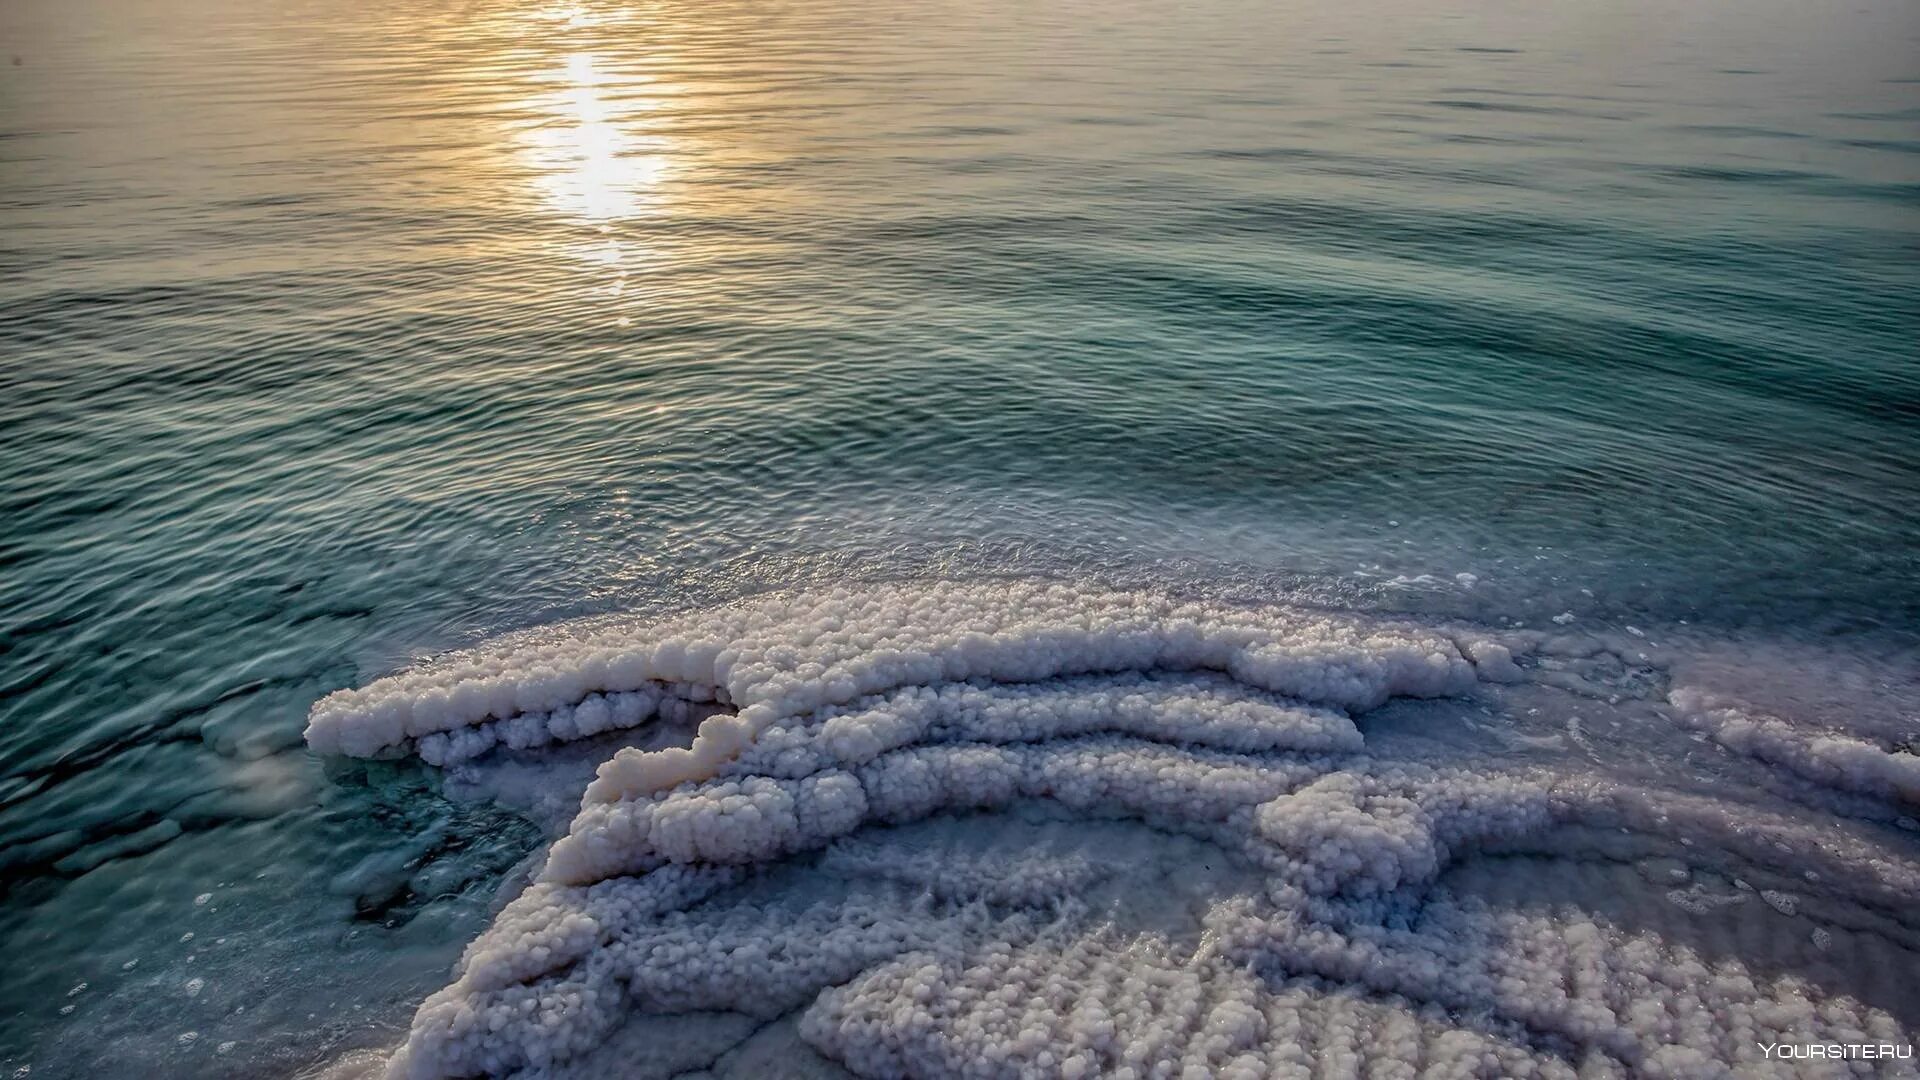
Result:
[
  {"x": 603, "y": 127},
  {"x": 592, "y": 157}
]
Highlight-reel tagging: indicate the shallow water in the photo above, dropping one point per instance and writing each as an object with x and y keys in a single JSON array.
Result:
[{"x": 334, "y": 337}]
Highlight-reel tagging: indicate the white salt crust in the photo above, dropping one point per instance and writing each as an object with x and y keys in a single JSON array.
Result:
[
  {"x": 1831, "y": 759},
  {"x": 754, "y": 872},
  {"x": 784, "y": 656}
]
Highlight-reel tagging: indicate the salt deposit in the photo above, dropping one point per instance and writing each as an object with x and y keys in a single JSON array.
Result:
[{"x": 1027, "y": 829}]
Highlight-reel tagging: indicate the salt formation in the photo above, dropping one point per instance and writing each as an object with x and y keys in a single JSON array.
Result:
[
  {"x": 1020, "y": 829},
  {"x": 1831, "y": 758}
]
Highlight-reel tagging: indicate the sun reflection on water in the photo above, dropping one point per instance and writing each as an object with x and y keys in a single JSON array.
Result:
[{"x": 593, "y": 159}]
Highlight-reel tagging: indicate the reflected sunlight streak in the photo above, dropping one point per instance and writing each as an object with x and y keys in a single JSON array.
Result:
[{"x": 591, "y": 168}]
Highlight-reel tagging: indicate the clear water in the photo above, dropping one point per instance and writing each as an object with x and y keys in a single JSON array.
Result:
[{"x": 333, "y": 336}]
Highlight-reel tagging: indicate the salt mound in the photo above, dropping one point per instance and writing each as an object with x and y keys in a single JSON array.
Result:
[
  {"x": 1834, "y": 759},
  {"x": 784, "y": 656},
  {"x": 1035, "y": 830}
]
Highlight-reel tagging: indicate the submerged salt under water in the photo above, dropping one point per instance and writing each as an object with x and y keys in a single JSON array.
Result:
[{"x": 333, "y": 338}]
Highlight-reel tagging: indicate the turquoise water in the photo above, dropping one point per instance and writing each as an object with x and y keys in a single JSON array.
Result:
[{"x": 332, "y": 337}]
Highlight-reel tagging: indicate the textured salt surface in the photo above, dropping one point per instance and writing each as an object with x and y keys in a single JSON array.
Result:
[{"x": 1020, "y": 829}]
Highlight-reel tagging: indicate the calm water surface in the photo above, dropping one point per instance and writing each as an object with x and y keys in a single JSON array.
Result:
[{"x": 333, "y": 335}]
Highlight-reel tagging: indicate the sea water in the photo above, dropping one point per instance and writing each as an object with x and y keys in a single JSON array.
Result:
[{"x": 1269, "y": 519}]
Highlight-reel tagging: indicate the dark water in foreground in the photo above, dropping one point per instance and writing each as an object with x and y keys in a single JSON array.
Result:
[{"x": 335, "y": 335}]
